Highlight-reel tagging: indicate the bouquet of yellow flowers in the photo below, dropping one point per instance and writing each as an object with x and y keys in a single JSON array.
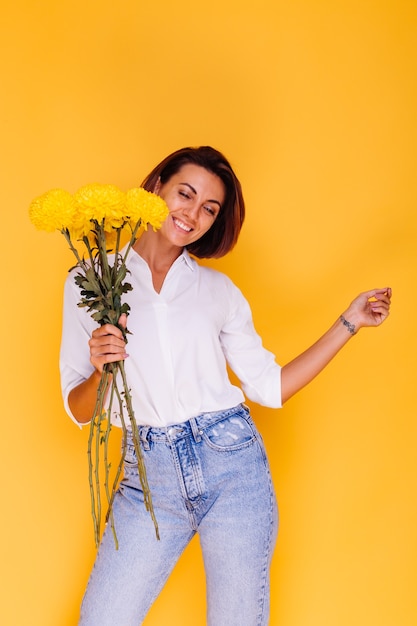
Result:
[{"x": 96, "y": 215}]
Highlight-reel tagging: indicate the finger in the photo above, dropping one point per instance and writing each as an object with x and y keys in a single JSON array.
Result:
[
  {"x": 374, "y": 293},
  {"x": 380, "y": 300},
  {"x": 380, "y": 310},
  {"x": 384, "y": 296},
  {"x": 107, "y": 349},
  {"x": 98, "y": 351},
  {"x": 381, "y": 297},
  {"x": 123, "y": 320},
  {"x": 109, "y": 357},
  {"x": 107, "y": 329},
  {"x": 101, "y": 345},
  {"x": 100, "y": 361},
  {"x": 98, "y": 337}
]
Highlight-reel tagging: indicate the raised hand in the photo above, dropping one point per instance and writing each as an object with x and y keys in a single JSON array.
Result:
[{"x": 370, "y": 308}]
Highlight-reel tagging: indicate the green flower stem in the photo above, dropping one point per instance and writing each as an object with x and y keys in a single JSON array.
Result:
[
  {"x": 93, "y": 469},
  {"x": 116, "y": 253},
  {"x": 97, "y": 469},
  {"x": 132, "y": 239},
  {"x": 102, "y": 250},
  {"x": 107, "y": 465},
  {"x": 122, "y": 457},
  {"x": 138, "y": 449},
  {"x": 109, "y": 514},
  {"x": 86, "y": 242},
  {"x": 73, "y": 249},
  {"x": 117, "y": 246}
]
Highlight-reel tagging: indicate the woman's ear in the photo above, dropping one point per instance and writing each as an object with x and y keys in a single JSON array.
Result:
[{"x": 157, "y": 187}]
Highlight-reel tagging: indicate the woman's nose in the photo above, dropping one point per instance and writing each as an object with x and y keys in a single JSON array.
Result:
[{"x": 191, "y": 210}]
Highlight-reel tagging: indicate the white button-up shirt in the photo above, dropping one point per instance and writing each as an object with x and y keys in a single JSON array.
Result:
[{"x": 182, "y": 340}]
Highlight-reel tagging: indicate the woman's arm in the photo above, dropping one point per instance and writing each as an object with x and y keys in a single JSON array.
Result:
[
  {"x": 368, "y": 309},
  {"x": 107, "y": 345}
]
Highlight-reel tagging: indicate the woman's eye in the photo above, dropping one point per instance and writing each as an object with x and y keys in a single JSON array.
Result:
[
  {"x": 210, "y": 210},
  {"x": 184, "y": 194}
]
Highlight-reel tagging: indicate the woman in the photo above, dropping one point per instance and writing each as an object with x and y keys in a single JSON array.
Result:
[{"x": 206, "y": 464}]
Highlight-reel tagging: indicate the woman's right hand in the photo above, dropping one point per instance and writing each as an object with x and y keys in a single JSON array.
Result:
[{"x": 107, "y": 344}]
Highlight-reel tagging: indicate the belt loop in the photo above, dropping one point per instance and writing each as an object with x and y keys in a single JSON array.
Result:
[
  {"x": 195, "y": 430},
  {"x": 144, "y": 431}
]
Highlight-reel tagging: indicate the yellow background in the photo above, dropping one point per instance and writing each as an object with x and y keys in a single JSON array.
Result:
[{"x": 314, "y": 102}]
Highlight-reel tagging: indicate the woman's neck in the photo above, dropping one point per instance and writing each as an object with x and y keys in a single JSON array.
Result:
[{"x": 158, "y": 254}]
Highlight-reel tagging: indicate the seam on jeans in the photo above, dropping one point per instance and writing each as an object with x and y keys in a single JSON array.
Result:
[
  {"x": 268, "y": 552},
  {"x": 180, "y": 477}
]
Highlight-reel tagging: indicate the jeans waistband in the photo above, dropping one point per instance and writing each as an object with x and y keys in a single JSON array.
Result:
[{"x": 194, "y": 427}]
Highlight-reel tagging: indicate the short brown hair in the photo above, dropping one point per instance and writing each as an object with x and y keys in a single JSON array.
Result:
[{"x": 224, "y": 233}]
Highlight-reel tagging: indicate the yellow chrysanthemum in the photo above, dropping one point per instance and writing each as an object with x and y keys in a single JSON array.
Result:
[
  {"x": 54, "y": 210},
  {"x": 147, "y": 206},
  {"x": 93, "y": 219},
  {"x": 100, "y": 202}
]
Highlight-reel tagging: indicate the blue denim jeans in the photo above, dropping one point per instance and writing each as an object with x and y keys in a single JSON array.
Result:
[{"x": 209, "y": 475}]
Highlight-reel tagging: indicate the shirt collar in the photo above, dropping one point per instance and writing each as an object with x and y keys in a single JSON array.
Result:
[
  {"x": 183, "y": 258},
  {"x": 188, "y": 260}
]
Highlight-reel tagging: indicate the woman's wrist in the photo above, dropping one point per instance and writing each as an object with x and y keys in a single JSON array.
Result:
[
  {"x": 353, "y": 322},
  {"x": 350, "y": 326}
]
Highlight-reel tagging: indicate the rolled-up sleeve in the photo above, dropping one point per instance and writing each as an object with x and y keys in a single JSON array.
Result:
[
  {"x": 77, "y": 326},
  {"x": 256, "y": 367}
]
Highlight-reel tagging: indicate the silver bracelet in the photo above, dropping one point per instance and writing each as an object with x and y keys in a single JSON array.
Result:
[{"x": 349, "y": 326}]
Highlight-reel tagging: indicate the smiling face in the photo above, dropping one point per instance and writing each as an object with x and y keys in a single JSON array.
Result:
[{"x": 194, "y": 197}]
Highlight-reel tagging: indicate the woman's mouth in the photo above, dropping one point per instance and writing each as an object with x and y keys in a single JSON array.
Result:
[{"x": 181, "y": 225}]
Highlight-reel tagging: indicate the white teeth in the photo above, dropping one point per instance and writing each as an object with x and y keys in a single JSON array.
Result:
[{"x": 182, "y": 225}]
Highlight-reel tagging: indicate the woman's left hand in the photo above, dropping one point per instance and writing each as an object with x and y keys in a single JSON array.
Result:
[{"x": 370, "y": 308}]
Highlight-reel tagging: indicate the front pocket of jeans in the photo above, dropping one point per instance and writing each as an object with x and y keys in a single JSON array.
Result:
[
  {"x": 231, "y": 433},
  {"x": 130, "y": 460}
]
